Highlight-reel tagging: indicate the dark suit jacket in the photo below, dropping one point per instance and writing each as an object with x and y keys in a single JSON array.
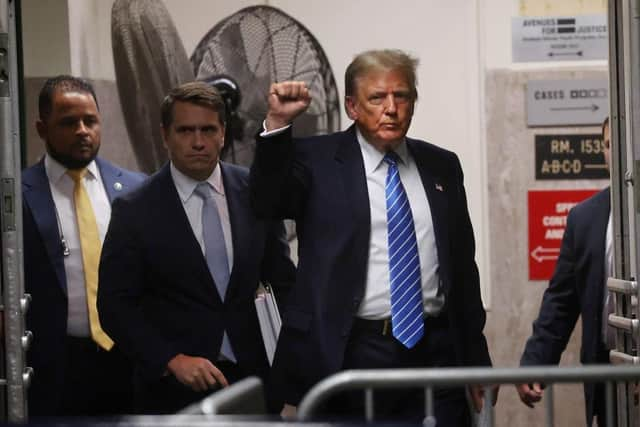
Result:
[
  {"x": 157, "y": 298},
  {"x": 320, "y": 182},
  {"x": 576, "y": 289},
  {"x": 46, "y": 281}
]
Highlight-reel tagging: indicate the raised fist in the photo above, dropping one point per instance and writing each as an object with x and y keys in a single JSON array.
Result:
[{"x": 287, "y": 100}]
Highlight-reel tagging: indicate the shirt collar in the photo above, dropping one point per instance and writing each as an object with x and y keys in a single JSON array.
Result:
[
  {"x": 56, "y": 170},
  {"x": 186, "y": 185},
  {"x": 373, "y": 158}
]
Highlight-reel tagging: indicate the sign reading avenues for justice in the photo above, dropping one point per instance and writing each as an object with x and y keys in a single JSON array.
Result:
[
  {"x": 566, "y": 38},
  {"x": 548, "y": 210}
]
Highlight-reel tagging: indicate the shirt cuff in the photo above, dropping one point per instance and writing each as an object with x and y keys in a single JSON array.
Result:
[{"x": 267, "y": 133}]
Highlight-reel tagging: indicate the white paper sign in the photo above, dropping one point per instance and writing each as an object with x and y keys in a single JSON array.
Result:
[
  {"x": 567, "y": 38},
  {"x": 567, "y": 102}
]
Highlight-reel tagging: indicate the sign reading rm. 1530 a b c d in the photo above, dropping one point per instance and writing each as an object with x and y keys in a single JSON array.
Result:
[{"x": 570, "y": 157}]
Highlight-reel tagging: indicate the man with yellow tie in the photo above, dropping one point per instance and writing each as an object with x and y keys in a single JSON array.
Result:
[{"x": 66, "y": 209}]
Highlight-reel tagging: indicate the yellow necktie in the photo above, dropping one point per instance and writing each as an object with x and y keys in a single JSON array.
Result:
[{"x": 91, "y": 247}]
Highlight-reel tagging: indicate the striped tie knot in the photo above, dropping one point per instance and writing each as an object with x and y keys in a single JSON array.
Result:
[{"x": 391, "y": 158}]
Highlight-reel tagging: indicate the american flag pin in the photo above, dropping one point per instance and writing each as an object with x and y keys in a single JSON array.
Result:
[{"x": 439, "y": 187}]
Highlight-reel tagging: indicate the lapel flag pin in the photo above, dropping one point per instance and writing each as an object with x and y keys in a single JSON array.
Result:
[
  {"x": 439, "y": 187},
  {"x": 117, "y": 186}
]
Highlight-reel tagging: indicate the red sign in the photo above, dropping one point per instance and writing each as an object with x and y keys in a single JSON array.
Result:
[{"x": 548, "y": 210}]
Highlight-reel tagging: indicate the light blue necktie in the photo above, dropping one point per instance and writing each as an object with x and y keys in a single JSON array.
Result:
[
  {"x": 215, "y": 251},
  {"x": 404, "y": 263}
]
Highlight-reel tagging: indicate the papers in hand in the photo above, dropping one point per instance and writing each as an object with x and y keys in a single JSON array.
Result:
[{"x": 269, "y": 318}]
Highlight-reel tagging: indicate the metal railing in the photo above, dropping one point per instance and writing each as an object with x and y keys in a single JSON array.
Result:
[
  {"x": 242, "y": 398},
  {"x": 368, "y": 380},
  {"x": 626, "y": 325}
]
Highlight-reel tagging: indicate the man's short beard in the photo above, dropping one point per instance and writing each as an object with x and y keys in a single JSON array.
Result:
[{"x": 68, "y": 161}]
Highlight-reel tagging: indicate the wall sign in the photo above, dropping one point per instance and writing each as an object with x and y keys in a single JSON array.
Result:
[
  {"x": 566, "y": 38},
  {"x": 573, "y": 156},
  {"x": 567, "y": 102},
  {"x": 548, "y": 210}
]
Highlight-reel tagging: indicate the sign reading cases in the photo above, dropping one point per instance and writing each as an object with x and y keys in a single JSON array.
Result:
[
  {"x": 570, "y": 157},
  {"x": 567, "y": 102},
  {"x": 566, "y": 38}
]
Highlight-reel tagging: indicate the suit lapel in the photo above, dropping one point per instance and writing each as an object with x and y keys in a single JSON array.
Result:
[
  {"x": 598, "y": 244},
  {"x": 176, "y": 228},
  {"x": 111, "y": 179},
  {"x": 353, "y": 175},
  {"x": 37, "y": 195},
  {"x": 436, "y": 189}
]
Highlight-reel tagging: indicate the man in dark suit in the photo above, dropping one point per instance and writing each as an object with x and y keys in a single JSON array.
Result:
[
  {"x": 341, "y": 189},
  {"x": 182, "y": 261},
  {"x": 577, "y": 288},
  {"x": 77, "y": 369}
]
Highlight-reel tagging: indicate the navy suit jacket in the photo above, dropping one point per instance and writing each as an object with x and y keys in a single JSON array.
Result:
[
  {"x": 320, "y": 182},
  {"x": 46, "y": 281},
  {"x": 157, "y": 298},
  {"x": 576, "y": 289}
]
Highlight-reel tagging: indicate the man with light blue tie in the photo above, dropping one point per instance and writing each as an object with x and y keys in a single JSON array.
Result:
[
  {"x": 386, "y": 274},
  {"x": 181, "y": 263}
]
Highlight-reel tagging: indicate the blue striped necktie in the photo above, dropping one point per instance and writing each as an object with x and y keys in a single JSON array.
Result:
[{"x": 404, "y": 263}]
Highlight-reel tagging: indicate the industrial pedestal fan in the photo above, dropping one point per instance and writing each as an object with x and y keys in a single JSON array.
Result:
[{"x": 241, "y": 56}]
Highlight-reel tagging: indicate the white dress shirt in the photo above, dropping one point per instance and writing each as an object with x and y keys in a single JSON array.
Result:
[
  {"x": 62, "y": 186},
  {"x": 608, "y": 254},
  {"x": 608, "y": 332},
  {"x": 377, "y": 298}
]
